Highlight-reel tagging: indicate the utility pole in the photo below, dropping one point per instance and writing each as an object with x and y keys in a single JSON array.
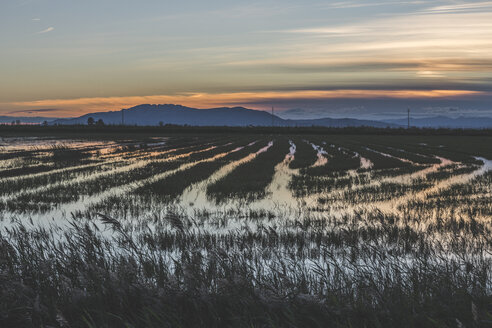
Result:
[
  {"x": 408, "y": 118},
  {"x": 272, "y": 116}
]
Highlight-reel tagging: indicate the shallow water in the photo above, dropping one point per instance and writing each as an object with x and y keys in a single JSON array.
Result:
[{"x": 279, "y": 199}]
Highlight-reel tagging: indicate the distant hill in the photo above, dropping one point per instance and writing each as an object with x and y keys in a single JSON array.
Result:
[
  {"x": 34, "y": 120},
  {"x": 223, "y": 116},
  {"x": 177, "y": 114},
  {"x": 340, "y": 123},
  {"x": 446, "y": 122},
  {"x": 148, "y": 115}
]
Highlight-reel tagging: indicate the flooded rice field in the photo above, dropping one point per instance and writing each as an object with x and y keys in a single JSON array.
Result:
[
  {"x": 276, "y": 180},
  {"x": 355, "y": 229}
]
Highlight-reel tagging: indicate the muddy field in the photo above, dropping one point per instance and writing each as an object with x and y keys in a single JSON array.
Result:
[{"x": 354, "y": 230}]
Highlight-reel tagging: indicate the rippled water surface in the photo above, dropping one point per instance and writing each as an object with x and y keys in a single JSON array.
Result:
[{"x": 51, "y": 180}]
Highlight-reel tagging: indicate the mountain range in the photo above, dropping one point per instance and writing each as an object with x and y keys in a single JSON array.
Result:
[
  {"x": 223, "y": 116},
  {"x": 461, "y": 122},
  {"x": 148, "y": 115}
]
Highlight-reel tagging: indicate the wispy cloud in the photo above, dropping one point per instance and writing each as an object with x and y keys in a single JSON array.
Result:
[
  {"x": 36, "y": 19},
  {"x": 332, "y": 30},
  {"x": 360, "y": 4},
  {"x": 426, "y": 67},
  {"x": 30, "y": 111},
  {"x": 423, "y": 45},
  {"x": 460, "y": 8},
  {"x": 47, "y": 30}
]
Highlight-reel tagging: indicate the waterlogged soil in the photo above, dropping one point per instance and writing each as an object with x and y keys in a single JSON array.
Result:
[{"x": 51, "y": 180}]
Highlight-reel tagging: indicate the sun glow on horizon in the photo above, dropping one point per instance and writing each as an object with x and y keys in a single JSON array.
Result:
[{"x": 80, "y": 106}]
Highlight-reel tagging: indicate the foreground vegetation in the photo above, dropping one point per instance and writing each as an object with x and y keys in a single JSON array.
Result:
[
  {"x": 246, "y": 231},
  {"x": 309, "y": 277}
]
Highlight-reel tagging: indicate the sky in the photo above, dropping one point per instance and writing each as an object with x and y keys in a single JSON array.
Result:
[{"x": 310, "y": 58}]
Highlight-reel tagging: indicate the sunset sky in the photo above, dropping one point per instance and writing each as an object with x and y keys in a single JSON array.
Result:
[{"x": 308, "y": 58}]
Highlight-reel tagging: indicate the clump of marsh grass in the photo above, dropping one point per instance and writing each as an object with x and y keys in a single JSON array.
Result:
[
  {"x": 296, "y": 273},
  {"x": 62, "y": 154}
]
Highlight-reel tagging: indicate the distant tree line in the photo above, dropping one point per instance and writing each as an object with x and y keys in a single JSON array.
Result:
[
  {"x": 99, "y": 126},
  {"x": 91, "y": 122}
]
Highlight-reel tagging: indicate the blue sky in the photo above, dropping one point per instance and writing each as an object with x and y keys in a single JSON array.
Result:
[{"x": 365, "y": 59}]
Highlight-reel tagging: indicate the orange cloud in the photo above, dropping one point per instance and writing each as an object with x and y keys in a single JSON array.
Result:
[{"x": 79, "y": 106}]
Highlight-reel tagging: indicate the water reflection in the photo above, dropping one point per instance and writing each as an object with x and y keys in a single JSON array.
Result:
[{"x": 388, "y": 191}]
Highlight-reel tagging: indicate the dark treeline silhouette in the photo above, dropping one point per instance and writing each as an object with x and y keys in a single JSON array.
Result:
[{"x": 101, "y": 128}]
